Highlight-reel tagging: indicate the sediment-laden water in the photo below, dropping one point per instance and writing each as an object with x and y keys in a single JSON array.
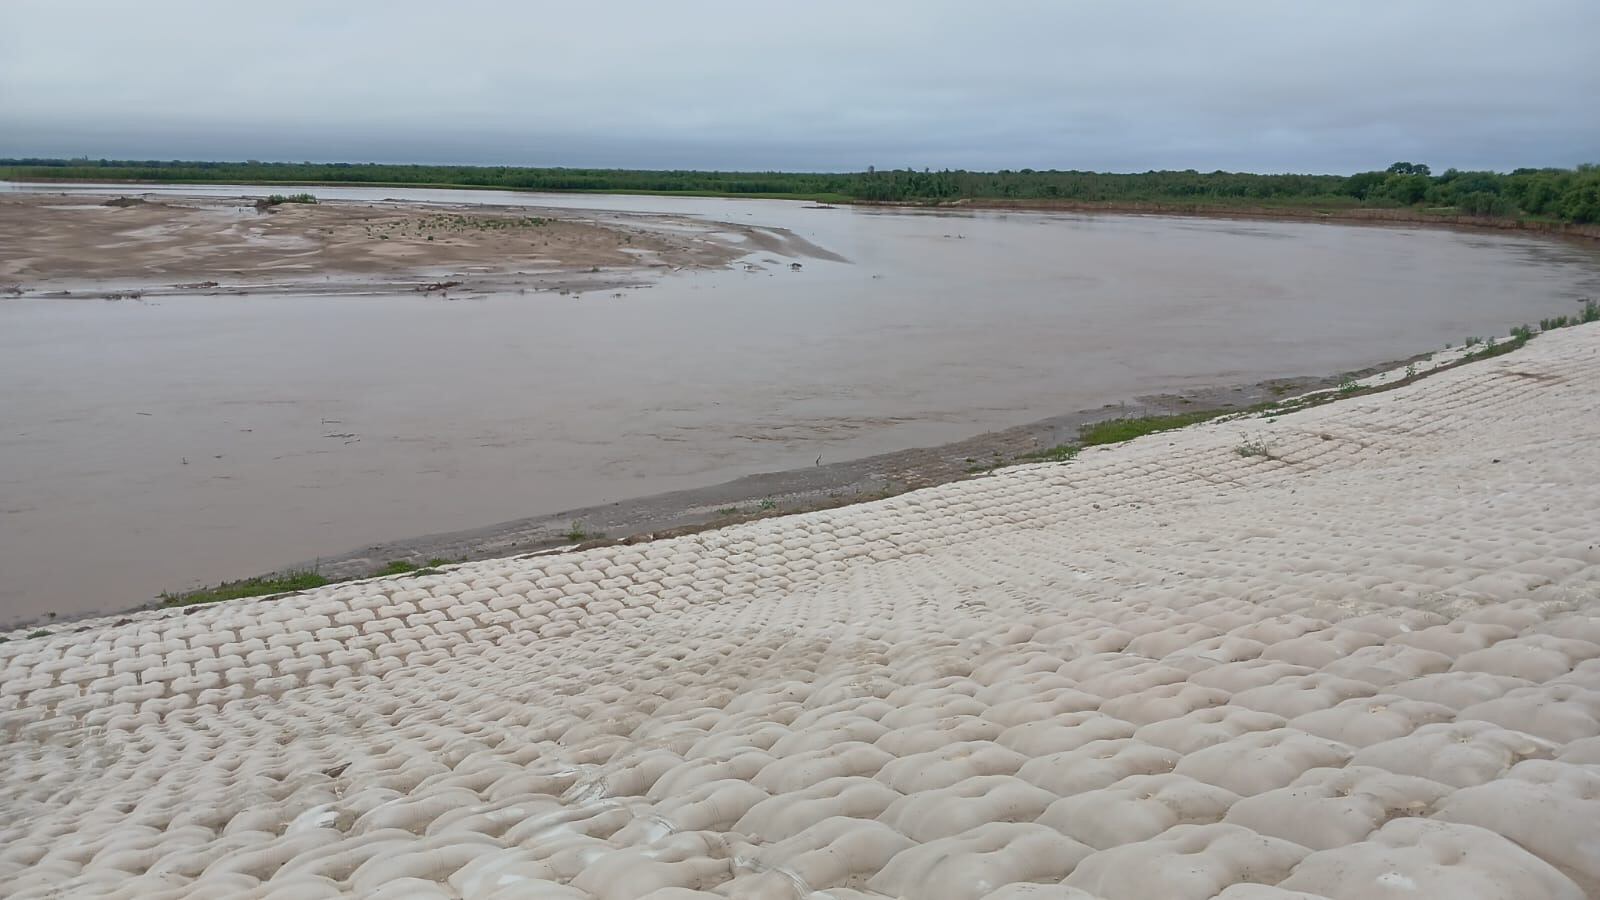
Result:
[{"x": 152, "y": 444}]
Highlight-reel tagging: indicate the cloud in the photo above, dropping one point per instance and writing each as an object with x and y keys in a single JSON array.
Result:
[{"x": 1238, "y": 84}]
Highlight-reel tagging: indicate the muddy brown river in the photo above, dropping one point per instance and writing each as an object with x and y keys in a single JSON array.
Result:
[{"x": 158, "y": 444}]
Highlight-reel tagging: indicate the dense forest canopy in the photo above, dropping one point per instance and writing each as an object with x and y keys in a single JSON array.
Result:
[{"x": 1569, "y": 195}]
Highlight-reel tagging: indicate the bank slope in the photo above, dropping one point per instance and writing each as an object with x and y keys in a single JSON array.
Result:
[{"x": 1353, "y": 651}]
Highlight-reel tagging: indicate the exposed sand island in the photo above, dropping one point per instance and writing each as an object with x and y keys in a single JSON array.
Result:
[
  {"x": 168, "y": 244},
  {"x": 1350, "y": 652}
]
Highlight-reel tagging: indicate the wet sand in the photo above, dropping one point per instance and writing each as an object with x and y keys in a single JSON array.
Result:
[
  {"x": 1362, "y": 663},
  {"x": 134, "y": 246}
]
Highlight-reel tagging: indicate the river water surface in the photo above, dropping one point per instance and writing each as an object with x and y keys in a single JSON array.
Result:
[{"x": 156, "y": 445}]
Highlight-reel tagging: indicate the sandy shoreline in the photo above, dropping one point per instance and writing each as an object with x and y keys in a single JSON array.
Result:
[
  {"x": 60, "y": 245},
  {"x": 1363, "y": 662}
]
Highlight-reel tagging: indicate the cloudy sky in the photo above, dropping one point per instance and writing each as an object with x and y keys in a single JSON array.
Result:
[{"x": 1264, "y": 85}]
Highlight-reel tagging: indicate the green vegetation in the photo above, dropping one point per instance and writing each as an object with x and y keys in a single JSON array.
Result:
[
  {"x": 768, "y": 504},
  {"x": 289, "y": 582},
  {"x": 577, "y": 532},
  {"x": 1556, "y": 195},
  {"x": 479, "y": 223},
  {"x": 434, "y": 226},
  {"x": 1493, "y": 348},
  {"x": 1589, "y": 313},
  {"x": 1255, "y": 447},
  {"x": 1058, "y": 453},
  {"x": 1115, "y": 431},
  {"x": 404, "y": 567},
  {"x": 43, "y": 632},
  {"x": 283, "y": 583},
  {"x": 280, "y": 199},
  {"x": 890, "y": 488}
]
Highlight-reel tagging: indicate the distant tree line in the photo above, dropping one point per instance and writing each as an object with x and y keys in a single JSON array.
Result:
[{"x": 1568, "y": 195}]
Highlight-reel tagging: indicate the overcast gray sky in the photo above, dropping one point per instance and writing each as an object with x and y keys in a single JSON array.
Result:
[{"x": 1264, "y": 85}]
